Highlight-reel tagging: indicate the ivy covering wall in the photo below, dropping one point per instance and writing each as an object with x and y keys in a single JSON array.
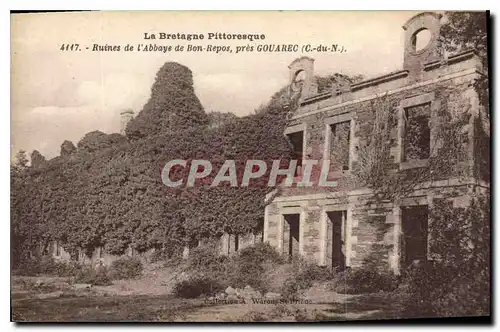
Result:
[{"x": 107, "y": 191}]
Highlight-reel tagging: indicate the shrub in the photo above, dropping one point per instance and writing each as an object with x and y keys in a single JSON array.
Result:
[
  {"x": 206, "y": 260},
  {"x": 439, "y": 290},
  {"x": 245, "y": 268},
  {"x": 248, "y": 267},
  {"x": 51, "y": 267},
  {"x": 47, "y": 266},
  {"x": 158, "y": 255},
  {"x": 303, "y": 276},
  {"x": 365, "y": 280},
  {"x": 462, "y": 297},
  {"x": 261, "y": 252},
  {"x": 247, "y": 273},
  {"x": 457, "y": 283},
  {"x": 69, "y": 269},
  {"x": 126, "y": 268},
  {"x": 197, "y": 286},
  {"x": 28, "y": 267},
  {"x": 313, "y": 272},
  {"x": 172, "y": 251},
  {"x": 97, "y": 277},
  {"x": 206, "y": 263}
]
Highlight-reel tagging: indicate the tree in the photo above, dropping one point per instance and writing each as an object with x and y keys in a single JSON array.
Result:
[
  {"x": 37, "y": 159},
  {"x": 67, "y": 148},
  {"x": 464, "y": 31},
  {"x": 469, "y": 31},
  {"x": 21, "y": 161},
  {"x": 19, "y": 187}
]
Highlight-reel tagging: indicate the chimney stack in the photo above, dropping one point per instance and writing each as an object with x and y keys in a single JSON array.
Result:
[{"x": 126, "y": 116}]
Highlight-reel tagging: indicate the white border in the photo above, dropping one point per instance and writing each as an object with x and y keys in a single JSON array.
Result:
[{"x": 185, "y": 5}]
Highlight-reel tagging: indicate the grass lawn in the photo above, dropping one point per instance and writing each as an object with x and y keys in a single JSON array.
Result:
[{"x": 143, "y": 308}]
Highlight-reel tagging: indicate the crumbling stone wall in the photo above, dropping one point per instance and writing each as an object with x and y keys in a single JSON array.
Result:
[
  {"x": 99, "y": 256},
  {"x": 230, "y": 244},
  {"x": 457, "y": 154}
]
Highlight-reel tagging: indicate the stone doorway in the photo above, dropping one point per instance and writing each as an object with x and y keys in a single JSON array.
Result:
[
  {"x": 335, "y": 246},
  {"x": 291, "y": 237},
  {"x": 415, "y": 232}
]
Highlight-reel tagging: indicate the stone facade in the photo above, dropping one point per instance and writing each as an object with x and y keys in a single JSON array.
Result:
[
  {"x": 345, "y": 226},
  {"x": 232, "y": 243}
]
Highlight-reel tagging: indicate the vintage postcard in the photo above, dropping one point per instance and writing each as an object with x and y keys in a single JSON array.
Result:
[{"x": 272, "y": 166}]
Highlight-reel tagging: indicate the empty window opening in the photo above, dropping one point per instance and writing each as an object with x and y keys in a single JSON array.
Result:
[
  {"x": 417, "y": 133},
  {"x": 233, "y": 243},
  {"x": 335, "y": 246},
  {"x": 291, "y": 233},
  {"x": 415, "y": 230},
  {"x": 297, "y": 141},
  {"x": 298, "y": 80},
  {"x": 259, "y": 232},
  {"x": 58, "y": 249},
  {"x": 236, "y": 242},
  {"x": 78, "y": 255},
  {"x": 421, "y": 39},
  {"x": 340, "y": 140}
]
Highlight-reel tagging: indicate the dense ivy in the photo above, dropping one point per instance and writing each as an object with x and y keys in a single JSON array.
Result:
[
  {"x": 172, "y": 106},
  {"x": 107, "y": 191}
]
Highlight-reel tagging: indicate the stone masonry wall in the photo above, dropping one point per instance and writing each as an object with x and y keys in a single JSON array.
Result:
[
  {"x": 455, "y": 95},
  {"x": 374, "y": 227},
  {"x": 312, "y": 231}
]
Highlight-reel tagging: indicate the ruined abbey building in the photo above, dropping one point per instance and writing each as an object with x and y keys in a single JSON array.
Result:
[
  {"x": 398, "y": 144},
  {"x": 395, "y": 128}
]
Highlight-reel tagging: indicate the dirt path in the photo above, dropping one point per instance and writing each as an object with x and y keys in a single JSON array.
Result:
[{"x": 330, "y": 306}]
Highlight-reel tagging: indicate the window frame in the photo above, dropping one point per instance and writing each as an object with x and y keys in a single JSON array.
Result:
[
  {"x": 427, "y": 98},
  {"x": 301, "y": 127},
  {"x": 333, "y": 120}
]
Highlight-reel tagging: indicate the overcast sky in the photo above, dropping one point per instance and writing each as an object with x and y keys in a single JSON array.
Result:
[{"x": 63, "y": 95}]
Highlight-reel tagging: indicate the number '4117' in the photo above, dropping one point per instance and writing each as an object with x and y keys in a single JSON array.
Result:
[{"x": 70, "y": 47}]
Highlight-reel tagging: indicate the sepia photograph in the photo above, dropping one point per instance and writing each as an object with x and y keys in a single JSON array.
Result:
[{"x": 250, "y": 166}]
